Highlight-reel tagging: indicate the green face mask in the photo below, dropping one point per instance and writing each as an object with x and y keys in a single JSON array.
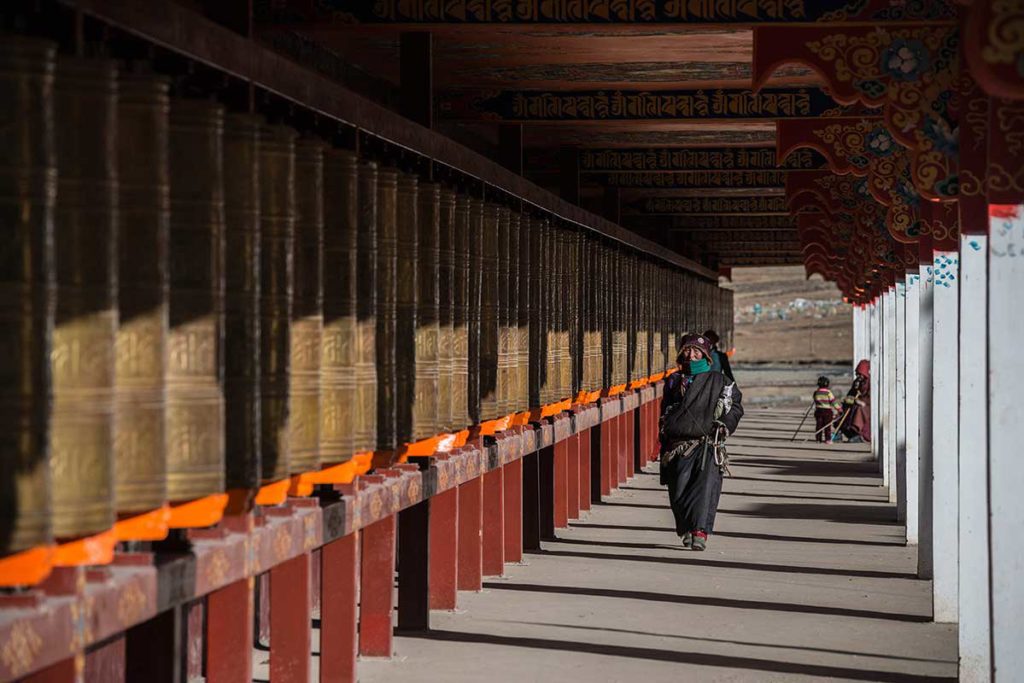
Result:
[{"x": 699, "y": 366}]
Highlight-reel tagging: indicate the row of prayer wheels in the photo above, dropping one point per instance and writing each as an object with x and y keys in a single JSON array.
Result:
[{"x": 194, "y": 301}]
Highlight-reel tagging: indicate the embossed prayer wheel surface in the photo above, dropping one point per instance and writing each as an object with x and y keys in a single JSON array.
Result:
[
  {"x": 618, "y": 300},
  {"x": 489, "y": 389},
  {"x": 460, "y": 314},
  {"x": 564, "y": 296},
  {"x": 575, "y": 333},
  {"x": 476, "y": 246},
  {"x": 407, "y": 241},
  {"x": 28, "y": 184},
  {"x": 535, "y": 332},
  {"x": 428, "y": 389},
  {"x": 523, "y": 312},
  {"x": 504, "y": 384},
  {"x": 242, "y": 301},
  {"x": 512, "y": 315},
  {"x": 552, "y": 305},
  {"x": 195, "y": 367},
  {"x": 140, "y": 448},
  {"x": 446, "y": 308},
  {"x": 337, "y": 371},
  {"x": 365, "y": 435},
  {"x": 277, "y": 233},
  {"x": 85, "y": 325},
  {"x": 307, "y": 308},
  {"x": 387, "y": 292}
]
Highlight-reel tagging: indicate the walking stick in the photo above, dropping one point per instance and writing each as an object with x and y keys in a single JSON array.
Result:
[{"x": 793, "y": 438}]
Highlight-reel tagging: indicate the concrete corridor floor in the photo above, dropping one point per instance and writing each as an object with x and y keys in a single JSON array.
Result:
[{"x": 806, "y": 577}]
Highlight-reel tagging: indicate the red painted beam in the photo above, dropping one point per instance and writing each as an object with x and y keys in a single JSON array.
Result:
[
  {"x": 493, "y": 549},
  {"x": 290, "y": 621},
  {"x": 585, "y": 472},
  {"x": 470, "y": 573},
  {"x": 572, "y": 447},
  {"x": 376, "y": 588},
  {"x": 339, "y": 586},
  {"x": 513, "y": 511},
  {"x": 444, "y": 543},
  {"x": 229, "y": 622}
]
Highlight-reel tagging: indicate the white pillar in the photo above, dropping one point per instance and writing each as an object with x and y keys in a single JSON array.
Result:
[
  {"x": 876, "y": 373},
  {"x": 899, "y": 404},
  {"x": 1006, "y": 436},
  {"x": 913, "y": 314},
  {"x": 858, "y": 334},
  {"x": 925, "y": 328},
  {"x": 975, "y": 630},
  {"x": 945, "y": 436},
  {"x": 889, "y": 387}
]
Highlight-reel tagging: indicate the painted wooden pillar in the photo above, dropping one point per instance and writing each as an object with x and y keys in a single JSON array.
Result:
[
  {"x": 621, "y": 453},
  {"x": 604, "y": 447},
  {"x": 561, "y": 481},
  {"x": 376, "y": 589},
  {"x": 414, "y": 567},
  {"x": 470, "y": 570},
  {"x": 889, "y": 391},
  {"x": 531, "y": 501},
  {"x": 913, "y": 314},
  {"x": 973, "y": 534},
  {"x": 858, "y": 332},
  {"x": 493, "y": 542},
  {"x": 900, "y": 403},
  {"x": 945, "y": 435},
  {"x": 586, "y": 474},
  {"x": 876, "y": 376},
  {"x": 925, "y": 347},
  {"x": 444, "y": 544},
  {"x": 572, "y": 445},
  {"x": 229, "y": 633},
  {"x": 514, "y": 511},
  {"x": 339, "y": 590},
  {"x": 290, "y": 621},
  {"x": 546, "y": 492},
  {"x": 628, "y": 423}
]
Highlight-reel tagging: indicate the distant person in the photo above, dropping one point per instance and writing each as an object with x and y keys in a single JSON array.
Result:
[
  {"x": 855, "y": 421},
  {"x": 826, "y": 409},
  {"x": 719, "y": 359},
  {"x": 701, "y": 407}
]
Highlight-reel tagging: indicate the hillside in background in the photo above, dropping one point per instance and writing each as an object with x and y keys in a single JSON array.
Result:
[{"x": 782, "y": 317}]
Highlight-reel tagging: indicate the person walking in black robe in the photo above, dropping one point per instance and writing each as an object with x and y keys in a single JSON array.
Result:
[{"x": 699, "y": 409}]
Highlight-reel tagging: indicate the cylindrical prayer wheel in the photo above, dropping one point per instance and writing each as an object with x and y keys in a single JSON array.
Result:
[
  {"x": 365, "y": 435},
  {"x": 387, "y": 293},
  {"x": 460, "y": 313},
  {"x": 28, "y": 184},
  {"x": 307, "y": 308},
  {"x": 575, "y": 333},
  {"x": 85, "y": 326},
  {"x": 523, "y": 312},
  {"x": 551, "y": 284},
  {"x": 407, "y": 247},
  {"x": 504, "y": 343},
  {"x": 476, "y": 246},
  {"x": 535, "y": 331},
  {"x": 140, "y": 442},
  {"x": 446, "y": 308},
  {"x": 277, "y": 232},
  {"x": 195, "y": 366},
  {"x": 565, "y": 327},
  {"x": 619, "y": 347},
  {"x": 428, "y": 389},
  {"x": 242, "y": 301},
  {"x": 512, "y": 317},
  {"x": 489, "y": 315},
  {"x": 337, "y": 371}
]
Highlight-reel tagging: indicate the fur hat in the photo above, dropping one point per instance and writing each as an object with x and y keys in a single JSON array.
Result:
[{"x": 697, "y": 341}]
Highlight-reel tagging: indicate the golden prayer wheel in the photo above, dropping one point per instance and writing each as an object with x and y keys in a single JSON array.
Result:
[
  {"x": 365, "y": 435},
  {"x": 85, "y": 326},
  {"x": 523, "y": 312},
  {"x": 387, "y": 292},
  {"x": 195, "y": 365},
  {"x": 140, "y": 443},
  {"x": 512, "y": 317},
  {"x": 488, "y": 353},
  {"x": 502, "y": 310},
  {"x": 476, "y": 237},
  {"x": 428, "y": 393},
  {"x": 307, "y": 307},
  {"x": 337, "y": 365},
  {"x": 446, "y": 308},
  {"x": 537, "y": 368},
  {"x": 406, "y": 252},
  {"x": 242, "y": 301},
  {"x": 565, "y": 299},
  {"x": 277, "y": 231},
  {"x": 460, "y": 314},
  {"x": 28, "y": 184},
  {"x": 549, "y": 283}
]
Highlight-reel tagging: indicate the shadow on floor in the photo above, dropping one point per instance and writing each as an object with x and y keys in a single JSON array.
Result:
[
  {"x": 678, "y": 657},
  {"x": 719, "y": 534}
]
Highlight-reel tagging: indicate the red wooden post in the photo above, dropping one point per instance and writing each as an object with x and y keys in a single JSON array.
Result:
[
  {"x": 561, "y": 484},
  {"x": 470, "y": 535},
  {"x": 290, "y": 621},
  {"x": 620, "y": 446},
  {"x": 585, "y": 473},
  {"x": 62, "y": 672},
  {"x": 376, "y": 588},
  {"x": 572, "y": 446},
  {"x": 106, "y": 663},
  {"x": 444, "y": 543},
  {"x": 339, "y": 588},
  {"x": 514, "y": 511},
  {"x": 629, "y": 421},
  {"x": 607, "y": 461},
  {"x": 494, "y": 523},
  {"x": 229, "y": 620}
]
